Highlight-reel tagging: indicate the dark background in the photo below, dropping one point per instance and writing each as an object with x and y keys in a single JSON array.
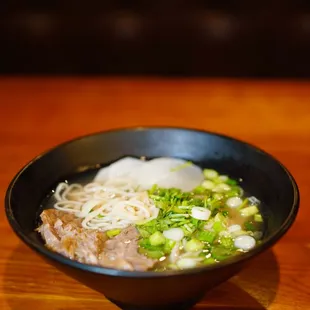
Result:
[{"x": 241, "y": 38}]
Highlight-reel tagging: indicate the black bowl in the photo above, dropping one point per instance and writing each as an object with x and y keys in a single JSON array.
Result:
[{"x": 262, "y": 175}]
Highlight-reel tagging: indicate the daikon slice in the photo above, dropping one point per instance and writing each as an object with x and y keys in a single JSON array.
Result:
[
  {"x": 168, "y": 173},
  {"x": 125, "y": 167}
]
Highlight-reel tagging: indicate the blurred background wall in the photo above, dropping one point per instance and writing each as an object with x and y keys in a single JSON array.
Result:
[{"x": 227, "y": 38}]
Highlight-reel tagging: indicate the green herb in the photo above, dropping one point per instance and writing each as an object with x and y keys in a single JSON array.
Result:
[
  {"x": 231, "y": 182},
  {"x": 175, "y": 212},
  {"x": 249, "y": 226},
  {"x": 225, "y": 213}
]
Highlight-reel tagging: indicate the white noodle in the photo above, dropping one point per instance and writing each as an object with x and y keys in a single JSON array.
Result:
[
  {"x": 58, "y": 192},
  {"x": 115, "y": 204}
]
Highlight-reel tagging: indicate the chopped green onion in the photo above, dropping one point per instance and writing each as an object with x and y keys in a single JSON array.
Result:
[
  {"x": 210, "y": 174},
  {"x": 207, "y": 184},
  {"x": 249, "y": 211},
  {"x": 180, "y": 215},
  {"x": 184, "y": 207},
  {"x": 194, "y": 245},
  {"x": 178, "y": 210},
  {"x": 157, "y": 239},
  {"x": 219, "y": 217},
  {"x": 222, "y": 179},
  {"x": 227, "y": 242},
  {"x": 186, "y": 226},
  {"x": 244, "y": 203},
  {"x": 113, "y": 232},
  {"x": 218, "y": 227},
  {"x": 210, "y": 236},
  {"x": 220, "y": 253},
  {"x": 168, "y": 246},
  {"x": 185, "y": 263},
  {"x": 234, "y": 202},
  {"x": 153, "y": 189},
  {"x": 143, "y": 232},
  {"x": 206, "y": 236},
  {"x": 200, "y": 189},
  {"x": 209, "y": 261},
  {"x": 241, "y": 233},
  {"x": 156, "y": 254},
  {"x": 221, "y": 187}
]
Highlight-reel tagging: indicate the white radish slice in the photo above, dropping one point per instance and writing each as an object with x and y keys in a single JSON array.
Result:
[
  {"x": 234, "y": 202},
  {"x": 125, "y": 167},
  {"x": 169, "y": 172},
  {"x": 200, "y": 213},
  {"x": 234, "y": 228},
  {"x": 245, "y": 243},
  {"x": 175, "y": 234}
]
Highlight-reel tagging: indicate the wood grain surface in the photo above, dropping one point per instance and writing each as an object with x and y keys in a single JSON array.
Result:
[{"x": 38, "y": 113}]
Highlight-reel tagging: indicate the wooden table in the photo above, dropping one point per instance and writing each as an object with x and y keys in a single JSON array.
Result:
[{"x": 37, "y": 114}]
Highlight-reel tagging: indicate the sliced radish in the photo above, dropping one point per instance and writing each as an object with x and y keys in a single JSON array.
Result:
[
  {"x": 168, "y": 173},
  {"x": 125, "y": 167}
]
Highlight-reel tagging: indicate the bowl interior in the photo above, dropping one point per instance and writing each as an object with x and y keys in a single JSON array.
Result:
[{"x": 262, "y": 175}]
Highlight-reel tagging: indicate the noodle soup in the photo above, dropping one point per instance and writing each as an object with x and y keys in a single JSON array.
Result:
[{"x": 162, "y": 214}]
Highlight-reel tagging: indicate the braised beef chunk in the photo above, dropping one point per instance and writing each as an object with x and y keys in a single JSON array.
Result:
[
  {"x": 121, "y": 252},
  {"x": 63, "y": 233}
]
